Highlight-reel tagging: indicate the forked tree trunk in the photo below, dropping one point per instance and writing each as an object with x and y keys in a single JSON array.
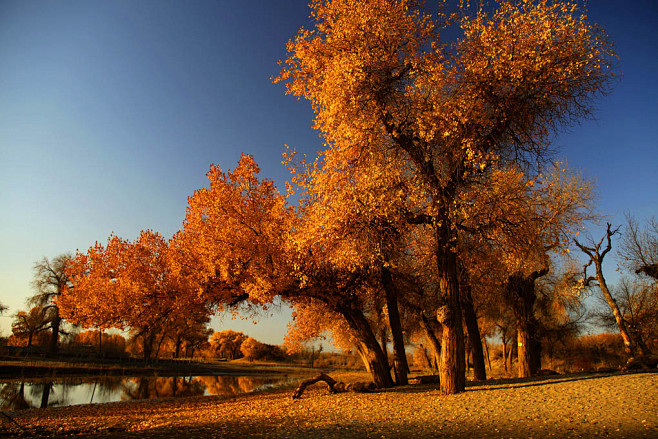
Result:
[
  {"x": 474, "y": 337},
  {"x": 597, "y": 254},
  {"x": 369, "y": 349},
  {"x": 399, "y": 353}
]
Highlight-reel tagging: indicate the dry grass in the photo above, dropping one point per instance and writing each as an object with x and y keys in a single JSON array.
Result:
[{"x": 582, "y": 405}]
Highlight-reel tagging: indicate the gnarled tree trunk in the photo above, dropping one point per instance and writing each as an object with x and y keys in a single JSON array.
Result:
[
  {"x": 369, "y": 349},
  {"x": 453, "y": 370}
]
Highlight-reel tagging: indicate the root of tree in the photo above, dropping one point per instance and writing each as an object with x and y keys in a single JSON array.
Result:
[
  {"x": 334, "y": 386},
  {"x": 641, "y": 362}
]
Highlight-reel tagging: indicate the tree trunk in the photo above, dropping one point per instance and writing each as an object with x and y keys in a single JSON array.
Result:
[
  {"x": 486, "y": 350},
  {"x": 148, "y": 338},
  {"x": 179, "y": 342},
  {"x": 521, "y": 296},
  {"x": 53, "y": 345},
  {"x": 45, "y": 394},
  {"x": 334, "y": 386},
  {"x": 452, "y": 371},
  {"x": 511, "y": 353},
  {"x": 470, "y": 318},
  {"x": 612, "y": 303},
  {"x": 399, "y": 353},
  {"x": 368, "y": 347},
  {"x": 383, "y": 339},
  {"x": 431, "y": 327}
]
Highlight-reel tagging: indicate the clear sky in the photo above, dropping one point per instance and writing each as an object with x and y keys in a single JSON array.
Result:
[{"x": 111, "y": 112}]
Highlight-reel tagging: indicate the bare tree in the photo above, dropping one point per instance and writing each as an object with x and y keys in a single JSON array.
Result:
[
  {"x": 50, "y": 279},
  {"x": 639, "y": 247},
  {"x": 597, "y": 253},
  {"x": 638, "y": 302}
]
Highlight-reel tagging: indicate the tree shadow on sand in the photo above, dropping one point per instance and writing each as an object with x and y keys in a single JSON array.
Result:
[{"x": 507, "y": 383}]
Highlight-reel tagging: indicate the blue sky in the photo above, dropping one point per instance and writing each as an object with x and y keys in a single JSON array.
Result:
[{"x": 111, "y": 112}]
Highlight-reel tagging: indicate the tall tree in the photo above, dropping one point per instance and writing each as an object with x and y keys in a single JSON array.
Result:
[
  {"x": 596, "y": 252},
  {"x": 239, "y": 238},
  {"x": 378, "y": 75},
  {"x": 50, "y": 281}
]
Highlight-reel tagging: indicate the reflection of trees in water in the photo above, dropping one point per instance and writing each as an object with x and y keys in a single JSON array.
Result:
[
  {"x": 233, "y": 385},
  {"x": 13, "y": 397},
  {"x": 151, "y": 387},
  {"x": 61, "y": 392},
  {"x": 105, "y": 387}
]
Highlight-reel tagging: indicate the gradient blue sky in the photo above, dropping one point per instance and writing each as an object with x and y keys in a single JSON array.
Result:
[{"x": 111, "y": 112}]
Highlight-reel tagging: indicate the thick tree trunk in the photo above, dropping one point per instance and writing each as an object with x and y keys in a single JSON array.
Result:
[
  {"x": 179, "y": 342},
  {"x": 53, "y": 344},
  {"x": 474, "y": 337},
  {"x": 452, "y": 371},
  {"x": 399, "y": 353},
  {"x": 148, "y": 338},
  {"x": 521, "y": 296},
  {"x": 368, "y": 347}
]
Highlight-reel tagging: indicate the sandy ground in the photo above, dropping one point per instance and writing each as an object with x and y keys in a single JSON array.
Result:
[{"x": 582, "y": 405}]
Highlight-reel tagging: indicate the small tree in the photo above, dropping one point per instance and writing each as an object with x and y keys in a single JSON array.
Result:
[
  {"x": 27, "y": 324},
  {"x": 252, "y": 349}
]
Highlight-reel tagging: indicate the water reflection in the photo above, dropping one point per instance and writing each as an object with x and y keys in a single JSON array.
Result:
[{"x": 20, "y": 395}]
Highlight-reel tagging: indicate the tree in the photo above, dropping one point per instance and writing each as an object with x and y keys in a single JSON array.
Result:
[
  {"x": 247, "y": 245},
  {"x": 227, "y": 343},
  {"x": 596, "y": 253},
  {"x": 252, "y": 349},
  {"x": 378, "y": 76},
  {"x": 129, "y": 284},
  {"x": 638, "y": 304},
  {"x": 50, "y": 281},
  {"x": 639, "y": 247},
  {"x": 27, "y": 324}
]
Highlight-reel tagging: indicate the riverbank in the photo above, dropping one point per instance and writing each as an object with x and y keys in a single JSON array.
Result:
[{"x": 581, "y": 405}]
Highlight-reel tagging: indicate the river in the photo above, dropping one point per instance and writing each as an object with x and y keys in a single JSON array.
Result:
[{"x": 35, "y": 393}]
